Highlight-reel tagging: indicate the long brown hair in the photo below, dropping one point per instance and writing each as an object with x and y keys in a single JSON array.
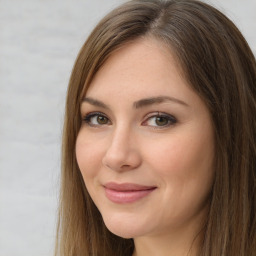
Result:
[{"x": 218, "y": 63}]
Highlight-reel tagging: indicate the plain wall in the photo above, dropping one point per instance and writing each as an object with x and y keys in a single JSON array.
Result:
[{"x": 39, "y": 41}]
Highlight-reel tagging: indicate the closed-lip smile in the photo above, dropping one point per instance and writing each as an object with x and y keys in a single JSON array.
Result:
[{"x": 126, "y": 192}]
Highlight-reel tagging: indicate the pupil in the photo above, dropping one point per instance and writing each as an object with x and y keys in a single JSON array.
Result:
[
  {"x": 161, "y": 121},
  {"x": 102, "y": 120}
]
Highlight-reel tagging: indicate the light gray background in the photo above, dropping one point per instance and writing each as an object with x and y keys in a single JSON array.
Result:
[{"x": 39, "y": 40}]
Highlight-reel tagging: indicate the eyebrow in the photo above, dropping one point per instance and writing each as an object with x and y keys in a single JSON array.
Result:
[
  {"x": 137, "y": 104},
  {"x": 157, "y": 100},
  {"x": 96, "y": 103}
]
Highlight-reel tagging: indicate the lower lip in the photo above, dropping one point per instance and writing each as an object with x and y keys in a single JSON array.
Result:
[{"x": 124, "y": 197}]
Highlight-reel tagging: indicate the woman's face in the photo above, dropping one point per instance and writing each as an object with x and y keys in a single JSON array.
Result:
[{"x": 146, "y": 144}]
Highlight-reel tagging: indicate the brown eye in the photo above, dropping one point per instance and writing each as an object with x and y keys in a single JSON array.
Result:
[
  {"x": 102, "y": 120},
  {"x": 96, "y": 119},
  {"x": 161, "y": 121}
]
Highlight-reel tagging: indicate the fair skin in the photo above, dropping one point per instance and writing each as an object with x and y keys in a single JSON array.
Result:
[{"x": 146, "y": 150}]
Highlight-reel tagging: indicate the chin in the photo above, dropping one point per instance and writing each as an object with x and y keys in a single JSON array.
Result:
[{"x": 124, "y": 229}]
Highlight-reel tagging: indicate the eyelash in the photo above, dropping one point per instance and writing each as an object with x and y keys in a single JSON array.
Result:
[
  {"x": 88, "y": 118},
  {"x": 171, "y": 120}
]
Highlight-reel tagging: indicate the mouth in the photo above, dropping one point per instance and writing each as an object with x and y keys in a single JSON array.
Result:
[{"x": 126, "y": 192}]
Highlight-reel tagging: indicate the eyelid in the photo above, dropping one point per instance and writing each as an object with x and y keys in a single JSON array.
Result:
[
  {"x": 86, "y": 118},
  {"x": 172, "y": 120}
]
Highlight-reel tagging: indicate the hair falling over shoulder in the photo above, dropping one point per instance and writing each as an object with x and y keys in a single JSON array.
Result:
[{"x": 219, "y": 65}]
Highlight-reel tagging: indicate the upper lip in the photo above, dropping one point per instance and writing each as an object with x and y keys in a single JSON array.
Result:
[{"x": 127, "y": 186}]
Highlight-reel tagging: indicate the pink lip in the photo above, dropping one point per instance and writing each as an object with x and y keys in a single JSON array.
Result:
[{"x": 126, "y": 192}]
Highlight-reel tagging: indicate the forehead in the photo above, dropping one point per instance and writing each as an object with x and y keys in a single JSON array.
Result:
[{"x": 143, "y": 65}]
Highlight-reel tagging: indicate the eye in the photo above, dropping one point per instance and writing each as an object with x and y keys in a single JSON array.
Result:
[
  {"x": 160, "y": 120},
  {"x": 96, "y": 119}
]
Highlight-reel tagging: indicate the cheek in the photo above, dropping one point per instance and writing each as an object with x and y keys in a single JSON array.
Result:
[
  {"x": 88, "y": 154},
  {"x": 185, "y": 169},
  {"x": 184, "y": 161}
]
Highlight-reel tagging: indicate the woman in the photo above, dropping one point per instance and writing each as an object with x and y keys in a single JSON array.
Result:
[{"x": 159, "y": 136}]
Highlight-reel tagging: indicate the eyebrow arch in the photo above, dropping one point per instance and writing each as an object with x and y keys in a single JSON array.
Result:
[
  {"x": 137, "y": 104},
  {"x": 156, "y": 100},
  {"x": 96, "y": 103}
]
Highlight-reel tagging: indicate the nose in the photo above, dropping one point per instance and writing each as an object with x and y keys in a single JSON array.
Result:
[{"x": 122, "y": 153}]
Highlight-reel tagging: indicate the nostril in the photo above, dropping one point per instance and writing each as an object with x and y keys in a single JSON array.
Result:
[
  {"x": 121, "y": 154},
  {"x": 121, "y": 161}
]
